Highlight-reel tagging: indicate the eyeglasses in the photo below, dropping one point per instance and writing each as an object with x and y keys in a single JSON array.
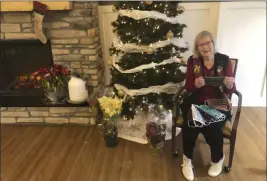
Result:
[{"x": 201, "y": 45}]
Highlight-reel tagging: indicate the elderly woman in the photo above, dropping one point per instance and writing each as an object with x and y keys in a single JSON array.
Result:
[{"x": 205, "y": 62}]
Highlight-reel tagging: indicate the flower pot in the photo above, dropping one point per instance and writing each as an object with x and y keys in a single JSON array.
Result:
[
  {"x": 62, "y": 92},
  {"x": 111, "y": 136},
  {"x": 111, "y": 141},
  {"x": 56, "y": 96},
  {"x": 51, "y": 97}
]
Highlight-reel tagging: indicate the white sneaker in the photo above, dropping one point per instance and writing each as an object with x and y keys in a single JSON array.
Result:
[
  {"x": 187, "y": 168},
  {"x": 216, "y": 168}
]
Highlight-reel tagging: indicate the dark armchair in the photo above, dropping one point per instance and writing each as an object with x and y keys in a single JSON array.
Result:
[{"x": 229, "y": 130}]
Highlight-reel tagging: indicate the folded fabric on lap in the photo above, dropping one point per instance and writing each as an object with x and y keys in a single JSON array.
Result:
[
  {"x": 203, "y": 115},
  {"x": 217, "y": 115}
]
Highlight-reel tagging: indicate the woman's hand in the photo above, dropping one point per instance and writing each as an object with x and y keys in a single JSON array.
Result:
[
  {"x": 229, "y": 82},
  {"x": 199, "y": 82}
]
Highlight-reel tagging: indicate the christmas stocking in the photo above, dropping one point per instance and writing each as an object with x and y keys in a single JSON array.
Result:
[{"x": 39, "y": 10}]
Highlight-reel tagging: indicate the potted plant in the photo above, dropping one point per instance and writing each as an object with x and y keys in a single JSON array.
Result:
[
  {"x": 55, "y": 84},
  {"x": 53, "y": 81},
  {"x": 111, "y": 109}
]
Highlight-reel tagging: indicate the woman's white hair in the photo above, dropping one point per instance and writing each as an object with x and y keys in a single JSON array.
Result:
[{"x": 200, "y": 35}]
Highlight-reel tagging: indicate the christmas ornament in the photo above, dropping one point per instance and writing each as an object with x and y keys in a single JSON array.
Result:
[
  {"x": 116, "y": 33},
  {"x": 169, "y": 35},
  {"x": 129, "y": 98},
  {"x": 142, "y": 5},
  {"x": 183, "y": 61},
  {"x": 124, "y": 118},
  {"x": 181, "y": 8},
  {"x": 149, "y": 2},
  {"x": 39, "y": 10},
  {"x": 114, "y": 9},
  {"x": 160, "y": 107}
]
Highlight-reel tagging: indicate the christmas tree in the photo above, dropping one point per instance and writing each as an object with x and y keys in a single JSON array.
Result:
[{"x": 147, "y": 54}]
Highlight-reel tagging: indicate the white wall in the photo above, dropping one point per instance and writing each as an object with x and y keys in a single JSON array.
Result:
[
  {"x": 241, "y": 31},
  {"x": 242, "y": 35},
  {"x": 198, "y": 17}
]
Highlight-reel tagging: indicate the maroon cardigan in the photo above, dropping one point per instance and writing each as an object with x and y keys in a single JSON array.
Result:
[{"x": 205, "y": 92}]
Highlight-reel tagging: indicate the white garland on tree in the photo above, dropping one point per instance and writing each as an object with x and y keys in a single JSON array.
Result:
[
  {"x": 137, "y": 15},
  {"x": 147, "y": 66},
  {"x": 169, "y": 88},
  {"x": 131, "y": 47}
]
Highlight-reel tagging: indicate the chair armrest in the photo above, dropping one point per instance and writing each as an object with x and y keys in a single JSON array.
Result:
[
  {"x": 178, "y": 93},
  {"x": 174, "y": 110},
  {"x": 176, "y": 104},
  {"x": 238, "y": 111}
]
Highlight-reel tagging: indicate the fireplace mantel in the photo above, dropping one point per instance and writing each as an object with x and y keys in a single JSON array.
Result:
[{"x": 28, "y": 6}]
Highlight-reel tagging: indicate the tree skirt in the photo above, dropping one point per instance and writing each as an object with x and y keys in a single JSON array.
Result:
[{"x": 135, "y": 129}]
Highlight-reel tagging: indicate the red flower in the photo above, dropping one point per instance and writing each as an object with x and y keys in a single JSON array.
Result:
[{"x": 47, "y": 74}]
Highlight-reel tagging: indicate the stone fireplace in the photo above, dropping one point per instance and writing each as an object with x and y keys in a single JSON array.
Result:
[{"x": 75, "y": 42}]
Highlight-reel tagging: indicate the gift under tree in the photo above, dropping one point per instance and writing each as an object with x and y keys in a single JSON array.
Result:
[{"x": 147, "y": 54}]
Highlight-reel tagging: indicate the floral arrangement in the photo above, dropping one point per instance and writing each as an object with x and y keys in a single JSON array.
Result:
[
  {"x": 108, "y": 110},
  {"x": 111, "y": 107},
  {"x": 52, "y": 80},
  {"x": 46, "y": 78}
]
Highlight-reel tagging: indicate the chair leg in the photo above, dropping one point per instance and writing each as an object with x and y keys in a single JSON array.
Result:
[
  {"x": 228, "y": 168},
  {"x": 174, "y": 150}
]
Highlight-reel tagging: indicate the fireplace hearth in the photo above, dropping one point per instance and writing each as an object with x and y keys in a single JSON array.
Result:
[{"x": 19, "y": 58}]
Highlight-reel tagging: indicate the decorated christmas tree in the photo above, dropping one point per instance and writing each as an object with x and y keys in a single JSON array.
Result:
[{"x": 148, "y": 47}]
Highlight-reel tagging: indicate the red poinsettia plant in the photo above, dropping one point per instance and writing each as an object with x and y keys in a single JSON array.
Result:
[{"x": 46, "y": 78}]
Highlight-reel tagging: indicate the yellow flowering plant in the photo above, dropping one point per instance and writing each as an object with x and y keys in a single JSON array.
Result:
[{"x": 111, "y": 107}]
